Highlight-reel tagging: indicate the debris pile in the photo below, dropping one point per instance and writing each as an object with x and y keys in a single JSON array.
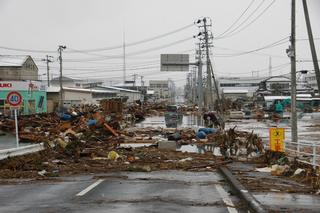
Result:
[
  {"x": 95, "y": 157},
  {"x": 279, "y": 164},
  {"x": 235, "y": 143},
  {"x": 231, "y": 143}
]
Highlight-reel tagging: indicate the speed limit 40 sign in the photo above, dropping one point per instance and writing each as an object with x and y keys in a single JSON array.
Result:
[{"x": 14, "y": 99}]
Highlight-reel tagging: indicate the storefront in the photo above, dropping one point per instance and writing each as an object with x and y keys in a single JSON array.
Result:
[{"x": 33, "y": 95}]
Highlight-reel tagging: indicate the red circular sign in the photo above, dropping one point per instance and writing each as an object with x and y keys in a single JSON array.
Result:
[{"x": 14, "y": 98}]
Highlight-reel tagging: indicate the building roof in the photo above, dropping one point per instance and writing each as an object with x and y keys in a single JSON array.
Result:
[
  {"x": 240, "y": 79},
  {"x": 137, "y": 84},
  {"x": 64, "y": 79},
  {"x": 57, "y": 89},
  {"x": 118, "y": 89},
  {"x": 280, "y": 78},
  {"x": 271, "y": 98},
  {"x": 150, "y": 92},
  {"x": 235, "y": 91},
  {"x": 300, "y": 97},
  {"x": 13, "y": 60}
]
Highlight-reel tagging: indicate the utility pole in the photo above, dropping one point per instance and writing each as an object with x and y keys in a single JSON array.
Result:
[
  {"x": 142, "y": 83},
  {"x": 194, "y": 84},
  {"x": 60, "y": 78},
  {"x": 292, "y": 55},
  {"x": 48, "y": 60},
  {"x": 200, "y": 84},
  {"x": 270, "y": 67},
  {"x": 134, "y": 79},
  {"x": 143, "y": 92},
  {"x": 124, "y": 58},
  {"x": 220, "y": 104},
  {"x": 311, "y": 42},
  {"x": 209, "y": 80}
]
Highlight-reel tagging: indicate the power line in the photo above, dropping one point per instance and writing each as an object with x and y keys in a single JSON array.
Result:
[
  {"x": 113, "y": 70},
  {"x": 230, "y": 34},
  {"x": 27, "y": 50},
  {"x": 103, "y": 48},
  {"x": 107, "y": 67},
  {"x": 278, "y": 67},
  {"x": 137, "y": 42},
  {"x": 276, "y": 43},
  {"x": 132, "y": 53},
  {"x": 236, "y": 21},
  {"x": 132, "y": 58}
]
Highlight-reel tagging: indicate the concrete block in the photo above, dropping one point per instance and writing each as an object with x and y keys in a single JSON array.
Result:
[{"x": 167, "y": 145}]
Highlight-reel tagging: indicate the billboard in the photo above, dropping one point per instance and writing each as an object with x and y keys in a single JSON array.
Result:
[
  {"x": 175, "y": 62},
  {"x": 21, "y": 85}
]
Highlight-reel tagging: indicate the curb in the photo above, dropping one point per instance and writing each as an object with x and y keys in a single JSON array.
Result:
[
  {"x": 242, "y": 191},
  {"x": 6, "y": 153}
]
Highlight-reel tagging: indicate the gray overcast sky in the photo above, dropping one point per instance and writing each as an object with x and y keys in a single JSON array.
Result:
[{"x": 91, "y": 24}]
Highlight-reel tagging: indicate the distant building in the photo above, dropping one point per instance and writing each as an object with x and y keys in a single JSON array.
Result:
[
  {"x": 132, "y": 85},
  {"x": 33, "y": 94},
  {"x": 227, "y": 85},
  {"x": 126, "y": 94},
  {"x": 163, "y": 89},
  {"x": 311, "y": 80},
  {"x": 73, "y": 82},
  {"x": 76, "y": 96},
  {"x": 20, "y": 73},
  {"x": 17, "y": 68},
  {"x": 66, "y": 82},
  {"x": 275, "y": 85},
  {"x": 235, "y": 94}
]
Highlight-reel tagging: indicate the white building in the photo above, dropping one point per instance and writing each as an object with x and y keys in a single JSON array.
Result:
[
  {"x": 130, "y": 95},
  {"x": 311, "y": 80},
  {"x": 74, "y": 82},
  {"x": 163, "y": 89},
  {"x": 235, "y": 94},
  {"x": 227, "y": 85},
  {"x": 76, "y": 96}
]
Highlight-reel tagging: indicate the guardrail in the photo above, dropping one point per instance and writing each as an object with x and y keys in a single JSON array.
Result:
[
  {"x": 305, "y": 147},
  {"x": 6, "y": 153}
]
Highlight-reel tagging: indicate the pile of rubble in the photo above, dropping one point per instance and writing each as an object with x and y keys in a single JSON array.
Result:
[
  {"x": 86, "y": 143},
  {"x": 79, "y": 124},
  {"x": 280, "y": 164},
  {"x": 103, "y": 157},
  {"x": 91, "y": 139}
]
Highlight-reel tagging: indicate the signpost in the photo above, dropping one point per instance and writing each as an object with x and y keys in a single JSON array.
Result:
[
  {"x": 276, "y": 139},
  {"x": 175, "y": 62},
  {"x": 14, "y": 99}
]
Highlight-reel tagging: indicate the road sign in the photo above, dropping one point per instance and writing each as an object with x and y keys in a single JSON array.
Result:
[
  {"x": 175, "y": 62},
  {"x": 14, "y": 99},
  {"x": 276, "y": 139}
]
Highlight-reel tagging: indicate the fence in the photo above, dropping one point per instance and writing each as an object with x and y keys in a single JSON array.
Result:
[{"x": 309, "y": 150}]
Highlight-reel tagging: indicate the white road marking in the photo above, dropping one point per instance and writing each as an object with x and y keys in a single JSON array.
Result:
[
  {"x": 226, "y": 199},
  {"x": 89, "y": 188}
]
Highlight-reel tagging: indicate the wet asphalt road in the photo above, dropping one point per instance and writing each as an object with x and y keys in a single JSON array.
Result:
[{"x": 163, "y": 191}]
